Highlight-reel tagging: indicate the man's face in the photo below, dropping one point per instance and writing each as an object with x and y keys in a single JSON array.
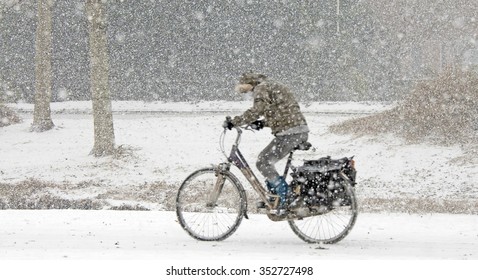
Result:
[{"x": 244, "y": 88}]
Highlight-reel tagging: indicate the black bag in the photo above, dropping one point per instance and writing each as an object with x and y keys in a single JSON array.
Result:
[{"x": 316, "y": 169}]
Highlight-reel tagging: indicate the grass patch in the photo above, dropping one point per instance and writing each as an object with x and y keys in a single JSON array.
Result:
[
  {"x": 8, "y": 116},
  {"x": 443, "y": 111}
]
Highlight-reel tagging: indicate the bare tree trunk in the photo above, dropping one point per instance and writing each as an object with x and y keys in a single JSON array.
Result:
[
  {"x": 42, "y": 114},
  {"x": 99, "y": 70}
]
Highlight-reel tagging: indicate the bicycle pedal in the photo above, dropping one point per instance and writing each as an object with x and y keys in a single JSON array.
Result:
[
  {"x": 261, "y": 205},
  {"x": 279, "y": 212}
]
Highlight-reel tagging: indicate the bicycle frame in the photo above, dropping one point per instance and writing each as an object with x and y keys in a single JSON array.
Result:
[
  {"x": 237, "y": 159},
  {"x": 331, "y": 219}
]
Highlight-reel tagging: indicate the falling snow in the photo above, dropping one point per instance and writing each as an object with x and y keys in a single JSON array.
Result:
[
  {"x": 194, "y": 50},
  {"x": 391, "y": 82}
]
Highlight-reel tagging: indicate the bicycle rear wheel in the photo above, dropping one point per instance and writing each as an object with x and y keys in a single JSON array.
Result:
[
  {"x": 330, "y": 227},
  {"x": 208, "y": 212}
]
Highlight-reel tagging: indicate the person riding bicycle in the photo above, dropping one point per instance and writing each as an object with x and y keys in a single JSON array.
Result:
[{"x": 275, "y": 107}]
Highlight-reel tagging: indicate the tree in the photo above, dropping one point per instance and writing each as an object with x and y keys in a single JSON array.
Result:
[
  {"x": 42, "y": 114},
  {"x": 99, "y": 69}
]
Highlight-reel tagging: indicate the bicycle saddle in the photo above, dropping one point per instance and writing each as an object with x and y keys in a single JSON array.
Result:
[{"x": 304, "y": 146}]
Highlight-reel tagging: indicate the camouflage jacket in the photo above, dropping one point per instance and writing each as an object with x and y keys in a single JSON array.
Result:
[{"x": 276, "y": 103}]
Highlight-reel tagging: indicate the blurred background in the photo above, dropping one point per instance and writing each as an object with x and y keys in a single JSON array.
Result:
[{"x": 170, "y": 50}]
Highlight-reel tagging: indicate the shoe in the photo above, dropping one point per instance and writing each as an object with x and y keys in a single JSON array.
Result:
[
  {"x": 270, "y": 187},
  {"x": 272, "y": 190},
  {"x": 281, "y": 188}
]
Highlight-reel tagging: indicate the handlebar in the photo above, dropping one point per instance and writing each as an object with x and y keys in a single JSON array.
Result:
[
  {"x": 239, "y": 130},
  {"x": 239, "y": 133},
  {"x": 238, "y": 137}
]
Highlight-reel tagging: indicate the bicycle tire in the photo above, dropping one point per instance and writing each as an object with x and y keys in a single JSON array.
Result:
[
  {"x": 331, "y": 227},
  {"x": 205, "y": 222}
]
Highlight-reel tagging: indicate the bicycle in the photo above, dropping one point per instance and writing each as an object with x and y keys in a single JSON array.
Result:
[{"x": 322, "y": 208}]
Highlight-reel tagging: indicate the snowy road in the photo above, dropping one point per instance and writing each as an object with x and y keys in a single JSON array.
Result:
[{"x": 69, "y": 234}]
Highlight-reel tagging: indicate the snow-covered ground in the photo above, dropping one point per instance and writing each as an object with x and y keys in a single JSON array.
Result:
[
  {"x": 417, "y": 245},
  {"x": 76, "y": 234},
  {"x": 165, "y": 142}
]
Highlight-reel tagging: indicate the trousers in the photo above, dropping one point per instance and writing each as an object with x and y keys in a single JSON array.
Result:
[{"x": 277, "y": 149}]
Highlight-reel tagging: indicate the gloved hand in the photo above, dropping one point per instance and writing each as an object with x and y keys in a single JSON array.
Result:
[
  {"x": 257, "y": 125},
  {"x": 228, "y": 123}
]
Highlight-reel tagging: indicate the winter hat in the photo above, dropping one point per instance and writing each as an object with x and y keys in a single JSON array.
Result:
[{"x": 251, "y": 78}]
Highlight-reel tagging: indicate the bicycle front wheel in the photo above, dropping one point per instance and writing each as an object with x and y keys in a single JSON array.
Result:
[
  {"x": 330, "y": 227},
  {"x": 210, "y": 205}
]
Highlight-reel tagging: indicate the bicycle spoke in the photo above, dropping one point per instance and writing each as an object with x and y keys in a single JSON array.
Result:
[
  {"x": 329, "y": 227},
  {"x": 211, "y": 222}
]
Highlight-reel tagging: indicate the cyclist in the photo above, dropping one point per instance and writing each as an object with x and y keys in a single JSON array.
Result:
[{"x": 274, "y": 106}]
